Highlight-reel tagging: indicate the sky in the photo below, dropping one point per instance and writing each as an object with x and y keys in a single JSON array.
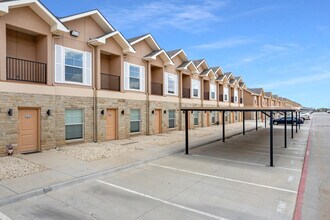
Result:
[{"x": 280, "y": 45}]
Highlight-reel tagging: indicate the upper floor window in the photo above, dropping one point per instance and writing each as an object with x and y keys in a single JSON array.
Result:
[
  {"x": 225, "y": 94},
  {"x": 196, "y": 88},
  {"x": 72, "y": 66},
  {"x": 212, "y": 90},
  {"x": 134, "y": 77},
  {"x": 171, "y": 84},
  {"x": 235, "y": 96}
]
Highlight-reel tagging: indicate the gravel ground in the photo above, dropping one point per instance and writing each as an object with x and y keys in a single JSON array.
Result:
[
  {"x": 95, "y": 151},
  {"x": 13, "y": 167}
]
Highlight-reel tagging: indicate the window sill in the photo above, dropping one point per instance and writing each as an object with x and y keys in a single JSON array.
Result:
[
  {"x": 135, "y": 133},
  {"x": 74, "y": 141}
]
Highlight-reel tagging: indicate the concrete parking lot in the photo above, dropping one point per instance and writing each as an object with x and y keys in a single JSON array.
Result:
[{"x": 229, "y": 180}]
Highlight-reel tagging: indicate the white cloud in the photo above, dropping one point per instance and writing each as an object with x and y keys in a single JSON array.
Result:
[
  {"x": 180, "y": 14},
  {"x": 224, "y": 43},
  {"x": 297, "y": 80}
]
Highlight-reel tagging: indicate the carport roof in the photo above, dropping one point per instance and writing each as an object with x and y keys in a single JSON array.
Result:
[{"x": 265, "y": 109}]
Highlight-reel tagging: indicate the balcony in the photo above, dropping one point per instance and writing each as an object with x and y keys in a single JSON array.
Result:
[
  {"x": 241, "y": 100},
  {"x": 156, "y": 88},
  {"x": 110, "y": 82},
  {"x": 232, "y": 99},
  {"x": 221, "y": 97},
  {"x": 186, "y": 93},
  {"x": 26, "y": 70},
  {"x": 206, "y": 95}
]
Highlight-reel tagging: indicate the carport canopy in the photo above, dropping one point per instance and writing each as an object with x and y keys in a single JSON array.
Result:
[{"x": 263, "y": 110}]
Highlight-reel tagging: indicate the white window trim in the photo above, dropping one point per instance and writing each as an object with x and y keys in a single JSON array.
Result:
[
  {"x": 176, "y": 83},
  {"x": 236, "y": 96},
  {"x": 213, "y": 89},
  {"x": 225, "y": 92},
  {"x": 83, "y": 124},
  {"x": 134, "y": 132},
  {"x": 192, "y": 88},
  {"x": 171, "y": 119},
  {"x": 84, "y": 76},
  {"x": 129, "y": 76}
]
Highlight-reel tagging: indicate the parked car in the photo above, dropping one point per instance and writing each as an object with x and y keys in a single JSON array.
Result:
[
  {"x": 288, "y": 120},
  {"x": 305, "y": 116}
]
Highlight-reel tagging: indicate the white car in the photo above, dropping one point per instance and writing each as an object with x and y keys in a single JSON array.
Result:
[{"x": 305, "y": 116}]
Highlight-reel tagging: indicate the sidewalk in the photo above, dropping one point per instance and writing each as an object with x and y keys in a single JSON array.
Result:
[{"x": 62, "y": 170}]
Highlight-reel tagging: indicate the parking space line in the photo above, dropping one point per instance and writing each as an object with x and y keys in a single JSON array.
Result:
[
  {"x": 280, "y": 155},
  {"x": 223, "y": 178},
  {"x": 243, "y": 162},
  {"x": 163, "y": 201},
  {"x": 4, "y": 217}
]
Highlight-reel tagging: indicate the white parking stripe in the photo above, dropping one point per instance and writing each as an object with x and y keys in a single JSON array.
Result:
[
  {"x": 163, "y": 201},
  {"x": 4, "y": 217},
  {"x": 280, "y": 155},
  {"x": 243, "y": 162},
  {"x": 224, "y": 178}
]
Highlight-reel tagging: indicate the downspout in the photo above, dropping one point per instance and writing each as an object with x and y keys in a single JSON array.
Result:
[
  {"x": 148, "y": 98},
  {"x": 180, "y": 100},
  {"x": 94, "y": 95}
]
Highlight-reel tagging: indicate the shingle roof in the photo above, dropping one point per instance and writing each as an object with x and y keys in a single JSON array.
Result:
[
  {"x": 153, "y": 53},
  {"x": 268, "y": 94},
  {"x": 232, "y": 81},
  {"x": 172, "y": 52},
  {"x": 215, "y": 68},
  {"x": 197, "y": 62},
  {"x": 205, "y": 72},
  {"x": 255, "y": 90},
  {"x": 184, "y": 64},
  {"x": 228, "y": 73},
  {"x": 136, "y": 38},
  {"x": 221, "y": 77}
]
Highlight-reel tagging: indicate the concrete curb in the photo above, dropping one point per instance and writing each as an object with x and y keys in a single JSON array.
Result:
[{"x": 57, "y": 186}]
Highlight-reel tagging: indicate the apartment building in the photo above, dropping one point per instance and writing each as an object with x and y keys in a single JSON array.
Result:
[{"x": 78, "y": 79}]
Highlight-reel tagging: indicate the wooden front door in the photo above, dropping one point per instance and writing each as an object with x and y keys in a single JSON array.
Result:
[
  {"x": 28, "y": 137},
  {"x": 111, "y": 118},
  {"x": 158, "y": 120}
]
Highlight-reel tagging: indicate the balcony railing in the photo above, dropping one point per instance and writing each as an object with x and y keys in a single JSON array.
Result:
[
  {"x": 221, "y": 97},
  {"x": 186, "y": 93},
  {"x": 232, "y": 99},
  {"x": 206, "y": 95},
  {"x": 110, "y": 82},
  {"x": 156, "y": 88},
  {"x": 241, "y": 100},
  {"x": 26, "y": 70}
]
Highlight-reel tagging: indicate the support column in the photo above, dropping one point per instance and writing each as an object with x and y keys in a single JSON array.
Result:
[
  {"x": 297, "y": 121},
  {"x": 256, "y": 121},
  {"x": 271, "y": 139},
  {"x": 186, "y": 130},
  {"x": 292, "y": 124},
  {"x": 223, "y": 127},
  {"x": 285, "y": 130},
  {"x": 265, "y": 119},
  {"x": 243, "y": 122}
]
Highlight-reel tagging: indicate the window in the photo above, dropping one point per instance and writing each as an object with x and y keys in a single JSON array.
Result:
[
  {"x": 134, "y": 77},
  {"x": 135, "y": 120},
  {"x": 225, "y": 96},
  {"x": 73, "y": 124},
  {"x": 235, "y": 96},
  {"x": 171, "y": 81},
  {"x": 212, "y": 91},
  {"x": 236, "y": 116},
  {"x": 171, "y": 118},
  {"x": 196, "y": 118},
  {"x": 213, "y": 117},
  {"x": 195, "y": 88},
  {"x": 73, "y": 66},
  {"x": 226, "y": 116},
  {"x": 255, "y": 100}
]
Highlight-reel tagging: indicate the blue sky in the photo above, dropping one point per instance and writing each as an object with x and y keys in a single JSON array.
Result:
[{"x": 282, "y": 46}]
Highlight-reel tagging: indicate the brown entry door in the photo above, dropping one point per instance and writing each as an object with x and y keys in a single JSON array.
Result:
[
  {"x": 28, "y": 130},
  {"x": 111, "y": 124},
  {"x": 157, "y": 121}
]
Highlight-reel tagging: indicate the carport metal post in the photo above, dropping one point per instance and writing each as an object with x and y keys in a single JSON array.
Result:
[
  {"x": 186, "y": 128},
  {"x": 243, "y": 122},
  {"x": 297, "y": 121},
  {"x": 285, "y": 130},
  {"x": 271, "y": 139},
  {"x": 223, "y": 127},
  {"x": 256, "y": 121},
  {"x": 265, "y": 119},
  {"x": 292, "y": 124},
  {"x": 299, "y": 118}
]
